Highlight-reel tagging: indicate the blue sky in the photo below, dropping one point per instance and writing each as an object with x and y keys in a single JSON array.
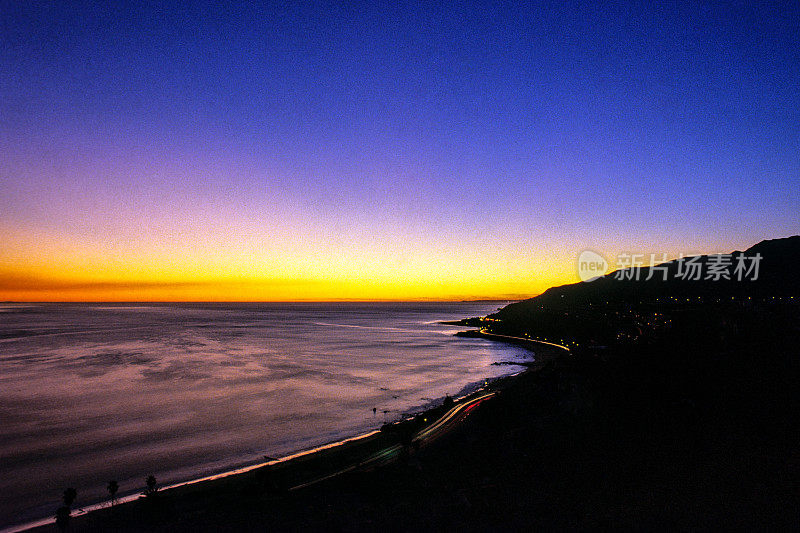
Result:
[{"x": 293, "y": 141}]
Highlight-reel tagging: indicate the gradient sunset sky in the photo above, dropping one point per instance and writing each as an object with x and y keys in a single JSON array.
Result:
[{"x": 384, "y": 150}]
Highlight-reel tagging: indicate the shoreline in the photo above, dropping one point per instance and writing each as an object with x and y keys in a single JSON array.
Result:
[
  {"x": 522, "y": 341},
  {"x": 372, "y": 458},
  {"x": 317, "y": 453},
  {"x": 84, "y": 511}
]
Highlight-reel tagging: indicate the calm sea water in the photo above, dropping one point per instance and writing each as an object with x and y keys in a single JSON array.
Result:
[{"x": 93, "y": 392}]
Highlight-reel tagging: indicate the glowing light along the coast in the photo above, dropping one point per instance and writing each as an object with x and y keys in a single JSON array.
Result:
[{"x": 362, "y": 151}]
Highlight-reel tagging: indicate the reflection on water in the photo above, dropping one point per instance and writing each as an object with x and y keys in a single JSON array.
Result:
[{"x": 90, "y": 393}]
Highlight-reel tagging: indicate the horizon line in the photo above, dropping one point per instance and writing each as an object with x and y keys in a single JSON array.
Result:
[{"x": 340, "y": 300}]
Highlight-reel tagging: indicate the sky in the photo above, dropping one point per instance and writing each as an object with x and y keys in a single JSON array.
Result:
[{"x": 384, "y": 150}]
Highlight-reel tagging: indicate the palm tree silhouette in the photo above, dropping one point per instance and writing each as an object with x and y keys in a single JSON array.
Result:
[
  {"x": 69, "y": 496},
  {"x": 112, "y": 489},
  {"x": 152, "y": 486},
  {"x": 63, "y": 512},
  {"x": 62, "y": 517}
]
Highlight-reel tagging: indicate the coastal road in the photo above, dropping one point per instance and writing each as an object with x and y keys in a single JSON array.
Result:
[
  {"x": 496, "y": 336},
  {"x": 427, "y": 434},
  {"x": 450, "y": 419}
]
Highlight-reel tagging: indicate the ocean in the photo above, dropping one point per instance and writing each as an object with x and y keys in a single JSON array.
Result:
[{"x": 94, "y": 392}]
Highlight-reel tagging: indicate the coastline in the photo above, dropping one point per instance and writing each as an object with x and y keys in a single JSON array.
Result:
[
  {"x": 83, "y": 511},
  {"x": 520, "y": 341},
  {"x": 367, "y": 444},
  {"x": 380, "y": 449}
]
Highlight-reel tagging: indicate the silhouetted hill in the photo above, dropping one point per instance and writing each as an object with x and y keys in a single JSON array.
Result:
[{"x": 776, "y": 278}]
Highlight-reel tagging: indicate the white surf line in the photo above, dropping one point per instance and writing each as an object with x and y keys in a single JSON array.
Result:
[{"x": 132, "y": 497}]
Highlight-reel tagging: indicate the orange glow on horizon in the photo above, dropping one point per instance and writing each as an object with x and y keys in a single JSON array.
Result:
[
  {"x": 20, "y": 289},
  {"x": 219, "y": 267},
  {"x": 216, "y": 266}
]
